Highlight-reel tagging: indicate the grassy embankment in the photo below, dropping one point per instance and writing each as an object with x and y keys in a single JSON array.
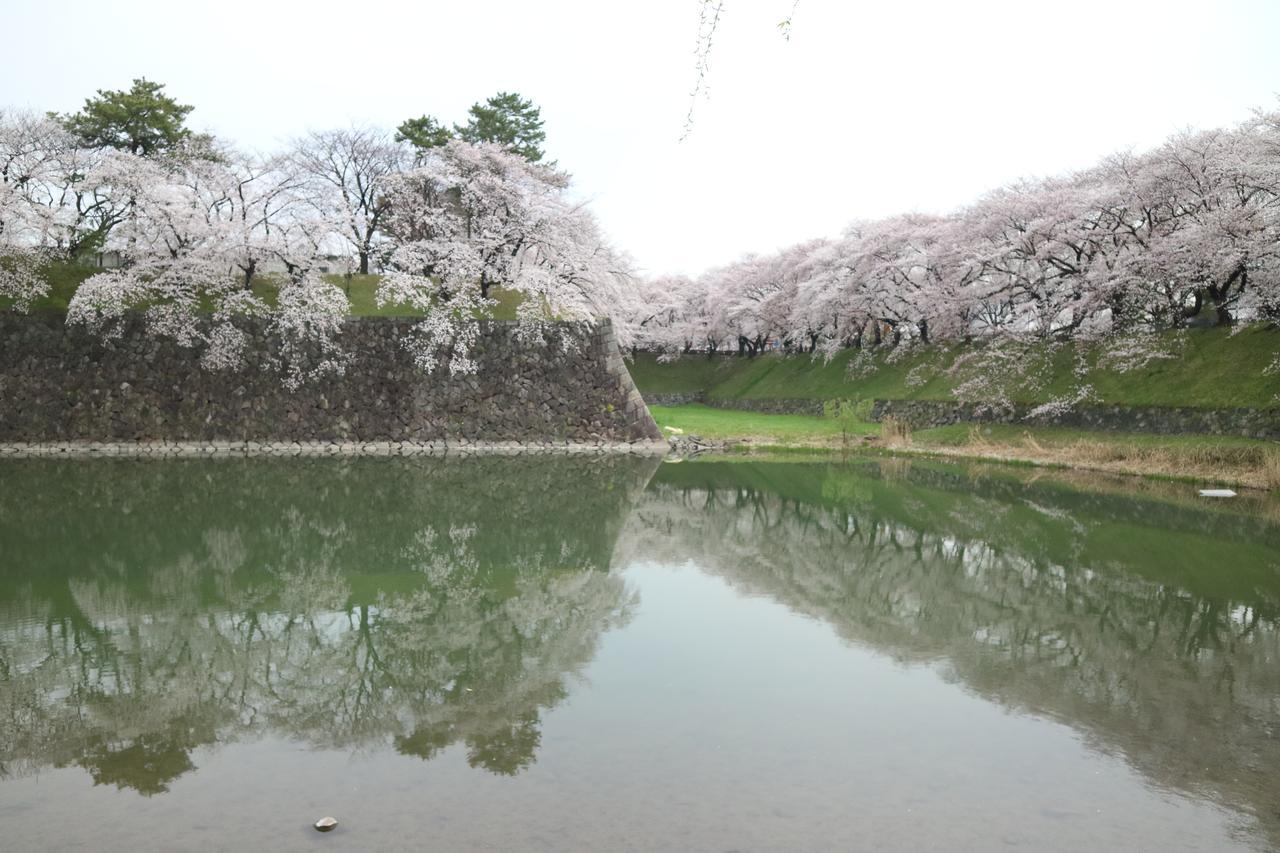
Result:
[
  {"x": 361, "y": 291},
  {"x": 1213, "y": 369}
]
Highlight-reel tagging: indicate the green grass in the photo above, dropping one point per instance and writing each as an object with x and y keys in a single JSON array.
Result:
[
  {"x": 731, "y": 424},
  {"x": 683, "y": 375},
  {"x": 64, "y": 280},
  {"x": 1213, "y": 369},
  {"x": 1192, "y": 458},
  {"x": 793, "y": 430},
  {"x": 361, "y": 291}
]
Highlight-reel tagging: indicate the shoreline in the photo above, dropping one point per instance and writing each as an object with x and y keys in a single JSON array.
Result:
[
  {"x": 189, "y": 449},
  {"x": 1262, "y": 479}
]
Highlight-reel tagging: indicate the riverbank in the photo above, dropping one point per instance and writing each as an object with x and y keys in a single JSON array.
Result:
[{"x": 1216, "y": 460}]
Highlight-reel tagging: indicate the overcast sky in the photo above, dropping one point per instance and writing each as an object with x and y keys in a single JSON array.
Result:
[{"x": 869, "y": 109}]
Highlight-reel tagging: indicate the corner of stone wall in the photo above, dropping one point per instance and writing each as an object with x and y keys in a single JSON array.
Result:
[{"x": 640, "y": 420}]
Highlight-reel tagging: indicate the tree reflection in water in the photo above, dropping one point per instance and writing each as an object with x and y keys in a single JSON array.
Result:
[
  {"x": 150, "y": 608},
  {"x": 1151, "y": 626}
]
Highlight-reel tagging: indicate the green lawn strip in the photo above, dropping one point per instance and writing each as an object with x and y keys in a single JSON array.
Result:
[
  {"x": 1186, "y": 458},
  {"x": 1212, "y": 368},
  {"x": 708, "y": 422}
]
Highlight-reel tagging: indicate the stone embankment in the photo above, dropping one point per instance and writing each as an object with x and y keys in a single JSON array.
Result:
[{"x": 63, "y": 390}]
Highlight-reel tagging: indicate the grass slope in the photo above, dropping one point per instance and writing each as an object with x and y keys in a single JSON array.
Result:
[
  {"x": 1213, "y": 368},
  {"x": 361, "y": 290}
]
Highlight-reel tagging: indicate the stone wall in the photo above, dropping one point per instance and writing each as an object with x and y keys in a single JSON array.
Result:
[
  {"x": 1253, "y": 423},
  {"x": 675, "y": 399},
  {"x": 61, "y": 384},
  {"x": 780, "y": 406}
]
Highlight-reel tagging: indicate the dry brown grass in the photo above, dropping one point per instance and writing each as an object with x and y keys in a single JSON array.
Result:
[
  {"x": 1270, "y": 470},
  {"x": 1257, "y": 466},
  {"x": 895, "y": 433},
  {"x": 894, "y": 469}
]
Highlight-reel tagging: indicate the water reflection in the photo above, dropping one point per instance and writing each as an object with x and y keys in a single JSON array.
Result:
[
  {"x": 152, "y": 613},
  {"x": 150, "y": 608},
  {"x": 1151, "y": 626}
]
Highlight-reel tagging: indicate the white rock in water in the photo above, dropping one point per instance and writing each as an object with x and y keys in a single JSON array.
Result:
[
  {"x": 326, "y": 823},
  {"x": 1217, "y": 493}
]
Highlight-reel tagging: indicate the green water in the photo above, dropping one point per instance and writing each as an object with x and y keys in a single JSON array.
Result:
[{"x": 605, "y": 654}]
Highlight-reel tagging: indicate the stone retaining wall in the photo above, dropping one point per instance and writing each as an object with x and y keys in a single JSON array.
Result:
[
  {"x": 675, "y": 399},
  {"x": 781, "y": 406},
  {"x": 61, "y": 385}
]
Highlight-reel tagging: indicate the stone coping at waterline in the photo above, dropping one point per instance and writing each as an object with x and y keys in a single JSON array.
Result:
[{"x": 152, "y": 449}]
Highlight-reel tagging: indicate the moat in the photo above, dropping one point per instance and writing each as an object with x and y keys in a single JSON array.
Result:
[{"x": 612, "y": 653}]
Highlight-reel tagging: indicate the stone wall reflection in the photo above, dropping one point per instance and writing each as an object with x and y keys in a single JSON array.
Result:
[
  {"x": 1150, "y": 626},
  {"x": 151, "y": 608}
]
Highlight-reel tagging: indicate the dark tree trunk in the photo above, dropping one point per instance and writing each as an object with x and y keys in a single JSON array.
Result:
[{"x": 1221, "y": 294}]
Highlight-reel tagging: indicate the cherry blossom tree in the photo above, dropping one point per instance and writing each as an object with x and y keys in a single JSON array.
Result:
[
  {"x": 199, "y": 234},
  {"x": 474, "y": 217},
  {"x": 347, "y": 172},
  {"x": 27, "y": 143},
  {"x": 1100, "y": 262},
  {"x": 60, "y": 195}
]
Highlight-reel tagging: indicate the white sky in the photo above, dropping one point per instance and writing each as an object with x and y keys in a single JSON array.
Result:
[{"x": 869, "y": 109}]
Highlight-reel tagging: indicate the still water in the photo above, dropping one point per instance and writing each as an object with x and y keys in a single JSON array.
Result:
[{"x": 605, "y": 654}]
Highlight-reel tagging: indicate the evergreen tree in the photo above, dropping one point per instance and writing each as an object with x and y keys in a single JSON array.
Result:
[
  {"x": 423, "y": 133},
  {"x": 508, "y": 120},
  {"x": 142, "y": 120}
]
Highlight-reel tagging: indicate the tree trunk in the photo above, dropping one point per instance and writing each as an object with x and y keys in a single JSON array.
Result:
[{"x": 1221, "y": 295}]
